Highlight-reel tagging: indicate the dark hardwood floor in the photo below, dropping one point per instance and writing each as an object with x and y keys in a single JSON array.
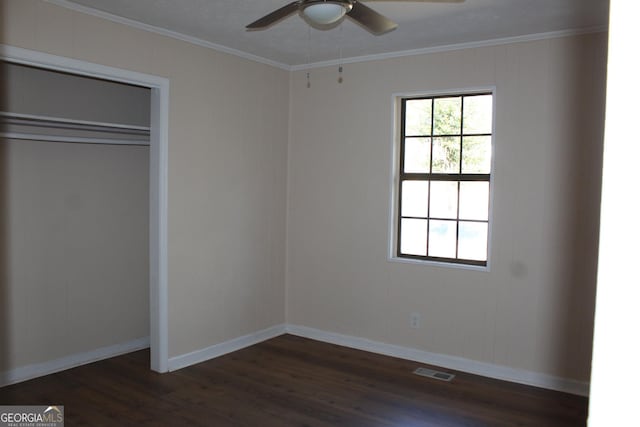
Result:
[{"x": 290, "y": 381}]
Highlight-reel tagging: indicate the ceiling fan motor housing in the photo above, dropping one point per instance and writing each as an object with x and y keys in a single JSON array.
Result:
[
  {"x": 324, "y": 14},
  {"x": 328, "y": 14}
]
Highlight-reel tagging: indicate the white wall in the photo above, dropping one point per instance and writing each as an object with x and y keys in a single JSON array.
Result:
[
  {"x": 534, "y": 309},
  {"x": 614, "y": 397},
  {"x": 227, "y": 167},
  {"x": 75, "y": 249}
]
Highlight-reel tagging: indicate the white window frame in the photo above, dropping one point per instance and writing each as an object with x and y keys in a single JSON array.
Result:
[{"x": 395, "y": 177}]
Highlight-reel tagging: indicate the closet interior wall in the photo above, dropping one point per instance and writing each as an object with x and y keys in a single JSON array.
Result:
[{"x": 74, "y": 222}]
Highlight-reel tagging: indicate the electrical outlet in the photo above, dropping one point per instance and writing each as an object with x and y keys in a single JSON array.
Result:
[{"x": 414, "y": 320}]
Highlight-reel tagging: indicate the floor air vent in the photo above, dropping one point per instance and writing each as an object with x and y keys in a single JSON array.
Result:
[{"x": 426, "y": 372}]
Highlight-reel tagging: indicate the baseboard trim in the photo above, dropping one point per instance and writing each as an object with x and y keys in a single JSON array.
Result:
[
  {"x": 216, "y": 350},
  {"x": 35, "y": 370},
  {"x": 490, "y": 370}
]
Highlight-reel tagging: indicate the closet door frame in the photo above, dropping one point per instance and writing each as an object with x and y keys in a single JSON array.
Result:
[{"x": 158, "y": 179}]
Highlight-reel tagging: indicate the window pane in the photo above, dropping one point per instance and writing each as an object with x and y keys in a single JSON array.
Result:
[
  {"x": 472, "y": 240},
  {"x": 446, "y": 119},
  {"x": 444, "y": 199},
  {"x": 478, "y": 114},
  {"x": 415, "y": 198},
  {"x": 446, "y": 155},
  {"x": 442, "y": 239},
  {"x": 474, "y": 200},
  {"x": 417, "y": 155},
  {"x": 418, "y": 117},
  {"x": 413, "y": 237},
  {"x": 476, "y": 154}
]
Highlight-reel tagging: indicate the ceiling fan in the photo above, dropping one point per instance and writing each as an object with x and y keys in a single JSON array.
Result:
[{"x": 327, "y": 14}]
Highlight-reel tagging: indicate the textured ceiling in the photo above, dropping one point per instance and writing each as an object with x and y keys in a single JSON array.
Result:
[{"x": 421, "y": 25}]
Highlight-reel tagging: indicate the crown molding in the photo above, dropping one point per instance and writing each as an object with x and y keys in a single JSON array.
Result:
[
  {"x": 287, "y": 67},
  {"x": 168, "y": 33},
  {"x": 450, "y": 47}
]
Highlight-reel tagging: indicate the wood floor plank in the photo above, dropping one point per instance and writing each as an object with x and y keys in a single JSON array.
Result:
[{"x": 291, "y": 381}]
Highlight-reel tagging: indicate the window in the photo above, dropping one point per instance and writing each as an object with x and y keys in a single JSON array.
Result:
[{"x": 445, "y": 178}]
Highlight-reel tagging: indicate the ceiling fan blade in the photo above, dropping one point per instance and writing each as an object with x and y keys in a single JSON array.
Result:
[
  {"x": 370, "y": 19},
  {"x": 275, "y": 16},
  {"x": 421, "y": 1}
]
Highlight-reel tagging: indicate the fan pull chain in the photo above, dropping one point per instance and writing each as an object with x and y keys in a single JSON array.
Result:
[
  {"x": 308, "y": 56},
  {"x": 340, "y": 61}
]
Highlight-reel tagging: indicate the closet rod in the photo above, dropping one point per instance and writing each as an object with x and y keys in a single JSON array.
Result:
[
  {"x": 74, "y": 139},
  {"x": 84, "y": 123}
]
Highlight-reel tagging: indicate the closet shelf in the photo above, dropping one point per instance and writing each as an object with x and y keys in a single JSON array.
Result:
[
  {"x": 57, "y": 129},
  {"x": 71, "y": 139},
  {"x": 59, "y": 121}
]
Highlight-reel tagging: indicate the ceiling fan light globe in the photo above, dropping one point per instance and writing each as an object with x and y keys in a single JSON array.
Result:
[{"x": 324, "y": 13}]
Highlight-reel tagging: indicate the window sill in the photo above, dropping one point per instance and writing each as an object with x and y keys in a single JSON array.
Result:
[{"x": 430, "y": 263}]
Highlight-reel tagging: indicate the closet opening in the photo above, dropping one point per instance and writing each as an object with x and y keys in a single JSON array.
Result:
[{"x": 83, "y": 214}]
